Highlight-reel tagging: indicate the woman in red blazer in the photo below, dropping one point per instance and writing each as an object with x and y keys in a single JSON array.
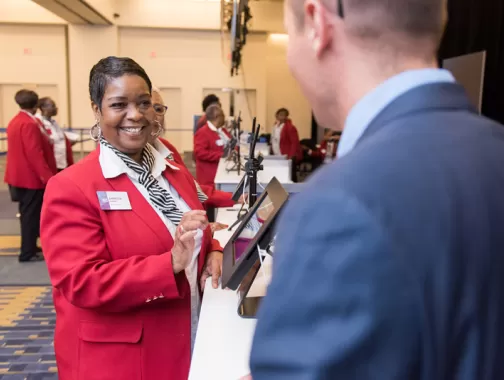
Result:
[
  {"x": 61, "y": 145},
  {"x": 285, "y": 140},
  {"x": 126, "y": 244},
  {"x": 30, "y": 165},
  {"x": 216, "y": 198},
  {"x": 209, "y": 143}
]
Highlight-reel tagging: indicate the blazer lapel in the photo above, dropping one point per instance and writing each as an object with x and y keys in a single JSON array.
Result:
[
  {"x": 185, "y": 188},
  {"x": 143, "y": 209}
]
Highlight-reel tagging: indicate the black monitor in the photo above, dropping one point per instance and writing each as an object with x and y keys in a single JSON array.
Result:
[
  {"x": 249, "y": 305},
  {"x": 256, "y": 229}
]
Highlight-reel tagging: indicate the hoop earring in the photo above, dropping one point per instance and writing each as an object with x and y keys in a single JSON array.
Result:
[
  {"x": 95, "y": 132},
  {"x": 159, "y": 130}
]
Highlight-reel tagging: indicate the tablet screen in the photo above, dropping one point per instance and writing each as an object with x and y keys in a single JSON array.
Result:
[{"x": 252, "y": 227}]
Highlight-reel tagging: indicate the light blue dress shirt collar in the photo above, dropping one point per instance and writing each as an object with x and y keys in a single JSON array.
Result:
[{"x": 363, "y": 113}]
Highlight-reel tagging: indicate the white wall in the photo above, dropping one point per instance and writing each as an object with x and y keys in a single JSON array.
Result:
[
  {"x": 283, "y": 90},
  {"x": 34, "y": 56},
  {"x": 83, "y": 53},
  {"x": 106, "y": 8},
  {"x": 179, "y": 44},
  {"x": 192, "y": 61},
  {"x": 26, "y": 11},
  {"x": 194, "y": 14}
]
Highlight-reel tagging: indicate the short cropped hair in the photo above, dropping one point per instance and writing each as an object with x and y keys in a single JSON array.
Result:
[
  {"x": 212, "y": 111},
  {"x": 284, "y": 110},
  {"x": 208, "y": 100},
  {"x": 111, "y": 68},
  {"x": 26, "y": 99},
  {"x": 372, "y": 19},
  {"x": 44, "y": 101}
]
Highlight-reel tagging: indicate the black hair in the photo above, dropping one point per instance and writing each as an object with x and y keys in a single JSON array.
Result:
[
  {"x": 209, "y": 99},
  {"x": 285, "y": 110},
  {"x": 111, "y": 68},
  {"x": 43, "y": 101},
  {"x": 26, "y": 99}
]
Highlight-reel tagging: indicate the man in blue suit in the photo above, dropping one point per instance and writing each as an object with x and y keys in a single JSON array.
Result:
[{"x": 390, "y": 264}]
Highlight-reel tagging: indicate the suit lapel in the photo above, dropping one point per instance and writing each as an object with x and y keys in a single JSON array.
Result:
[
  {"x": 426, "y": 98},
  {"x": 143, "y": 209}
]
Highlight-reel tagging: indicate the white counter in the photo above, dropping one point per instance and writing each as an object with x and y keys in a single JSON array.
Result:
[
  {"x": 281, "y": 169},
  {"x": 224, "y": 339}
]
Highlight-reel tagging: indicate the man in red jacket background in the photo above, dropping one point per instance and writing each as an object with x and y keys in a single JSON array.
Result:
[
  {"x": 30, "y": 165},
  {"x": 209, "y": 144}
]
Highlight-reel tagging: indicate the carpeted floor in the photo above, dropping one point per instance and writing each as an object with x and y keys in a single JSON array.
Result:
[{"x": 27, "y": 320}]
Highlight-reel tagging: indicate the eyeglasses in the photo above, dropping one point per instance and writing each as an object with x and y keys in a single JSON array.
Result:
[
  {"x": 160, "y": 109},
  {"x": 340, "y": 9}
]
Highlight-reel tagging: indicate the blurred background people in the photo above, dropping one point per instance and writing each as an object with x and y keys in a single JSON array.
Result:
[
  {"x": 30, "y": 165},
  {"x": 207, "y": 102},
  {"x": 285, "y": 140},
  {"x": 215, "y": 198},
  {"x": 61, "y": 145},
  {"x": 128, "y": 248},
  {"x": 209, "y": 144}
]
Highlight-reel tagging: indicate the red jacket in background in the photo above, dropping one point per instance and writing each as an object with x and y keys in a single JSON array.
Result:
[
  {"x": 69, "y": 151},
  {"x": 216, "y": 198},
  {"x": 207, "y": 154},
  {"x": 289, "y": 141},
  {"x": 201, "y": 122},
  {"x": 30, "y": 156}
]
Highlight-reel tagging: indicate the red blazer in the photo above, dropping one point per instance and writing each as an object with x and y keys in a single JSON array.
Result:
[
  {"x": 30, "y": 156},
  {"x": 216, "y": 198},
  {"x": 122, "y": 313},
  {"x": 69, "y": 151},
  {"x": 289, "y": 141},
  {"x": 201, "y": 122},
  {"x": 207, "y": 154}
]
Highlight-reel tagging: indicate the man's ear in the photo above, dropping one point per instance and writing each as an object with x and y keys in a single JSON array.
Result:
[{"x": 318, "y": 25}]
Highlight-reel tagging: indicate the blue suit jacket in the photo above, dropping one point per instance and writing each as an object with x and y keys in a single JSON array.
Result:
[{"x": 390, "y": 265}]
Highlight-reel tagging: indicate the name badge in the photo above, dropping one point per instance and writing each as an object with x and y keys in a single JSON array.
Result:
[
  {"x": 220, "y": 142},
  {"x": 114, "y": 200}
]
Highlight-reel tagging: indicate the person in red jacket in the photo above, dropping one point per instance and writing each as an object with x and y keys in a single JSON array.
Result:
[
  {"x": 209, "y": 143},
  {"x": 127, "y": 244},
  {"x": 30, "y": 165},
  {"x": 62, "y": 146},
  {"x": 216, "y": 198},
  {"x": 207, "y": 102},
  {"x": 285, "y": 139}
]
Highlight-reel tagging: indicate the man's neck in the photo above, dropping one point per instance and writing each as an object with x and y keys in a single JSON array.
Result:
[{"x": 362, "y": 78}]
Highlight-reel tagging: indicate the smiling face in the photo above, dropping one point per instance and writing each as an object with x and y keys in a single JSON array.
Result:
[{"x": 126, "y": 116}]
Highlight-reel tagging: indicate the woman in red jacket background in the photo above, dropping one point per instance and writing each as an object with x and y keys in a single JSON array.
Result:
[
  {"x": 61, "y": 145},
  {"x": 209, "y": 144},
  {"x": 126, "y": 244},
  {"x": 216, "y": 198},
  {"x": 30, "y": 165},
  {"x": 285, "y": 140}
]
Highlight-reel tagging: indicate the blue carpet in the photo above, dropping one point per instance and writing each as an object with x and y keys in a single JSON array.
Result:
[{"x": 27, "y": 320}]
